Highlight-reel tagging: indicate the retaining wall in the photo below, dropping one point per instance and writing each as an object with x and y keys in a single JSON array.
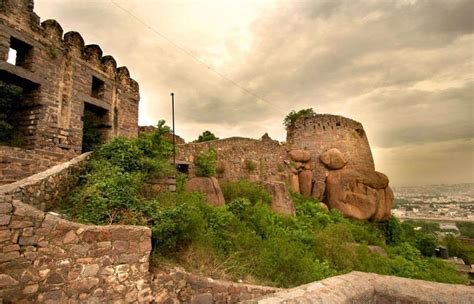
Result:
[
  {"x": 360, "y": 287},
  {"x": 43, "y": 189}
]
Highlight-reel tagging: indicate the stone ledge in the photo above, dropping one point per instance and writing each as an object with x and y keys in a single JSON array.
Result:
[
  {"x": 360, "y": 287},
  {"x": 33, "y": 179}
]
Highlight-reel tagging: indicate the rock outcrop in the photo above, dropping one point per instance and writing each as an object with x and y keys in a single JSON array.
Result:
[
  {"x": 209, "y": 186},
  {"x": 281, "y": 202},
  {"x": 359, "y": 194},
  {"x": 333, "y": 159}
]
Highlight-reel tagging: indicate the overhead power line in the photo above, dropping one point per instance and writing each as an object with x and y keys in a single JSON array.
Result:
[{"x": 195, "y": 58}]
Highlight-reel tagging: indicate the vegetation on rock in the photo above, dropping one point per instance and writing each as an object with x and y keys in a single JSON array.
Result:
[
  {"x": 293, "y": 116},
  {"x": 206, "y": 163}
]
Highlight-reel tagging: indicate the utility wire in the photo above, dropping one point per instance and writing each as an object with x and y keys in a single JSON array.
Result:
[{"x": 197, "y": 59}]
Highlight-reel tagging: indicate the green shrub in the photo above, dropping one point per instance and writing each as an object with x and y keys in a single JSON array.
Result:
[
  {"x": 206, "y": 136},
  {"x": 459, "y": 249},
  {"x": 123, "y": 153},
  {"x": 245, "y": 189},
  {"x": 466, "y": 229},
  {"x": 335, "y": 244},
  {"x": 206, "y": 163},
  {"x": 392, "y": 230},
  {"x": 293, "y": 116},
  {"x": 250, "y": 165}
]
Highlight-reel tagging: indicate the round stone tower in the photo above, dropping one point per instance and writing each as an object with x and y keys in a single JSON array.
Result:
[{"x": 320, "y": 133}]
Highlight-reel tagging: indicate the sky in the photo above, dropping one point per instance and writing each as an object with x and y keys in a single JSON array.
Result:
[{"x": 404, "y": 69}]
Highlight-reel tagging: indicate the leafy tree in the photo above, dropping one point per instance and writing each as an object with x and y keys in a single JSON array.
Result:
[
  {"x": 206, "y": 136},
  {"x": 293, "y": 116}
]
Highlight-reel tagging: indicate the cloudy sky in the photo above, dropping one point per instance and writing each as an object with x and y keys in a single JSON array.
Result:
[{"x": 404, "y": 69}]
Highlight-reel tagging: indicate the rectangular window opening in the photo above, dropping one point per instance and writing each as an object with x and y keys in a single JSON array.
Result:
[
  {"x": 20, "y": 53},
  {"x": 98, "y": 88}
]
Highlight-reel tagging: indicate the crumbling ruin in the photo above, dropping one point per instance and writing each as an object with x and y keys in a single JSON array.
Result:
[
  {"x": 68, "y": 87},
  {"x": 326, "y": 156}
]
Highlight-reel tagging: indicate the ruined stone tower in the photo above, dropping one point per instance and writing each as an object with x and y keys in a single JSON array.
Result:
[{"x": 63, "y": 81}]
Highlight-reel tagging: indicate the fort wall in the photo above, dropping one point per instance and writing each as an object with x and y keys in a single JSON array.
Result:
[
  {"x": 62, "y": 78},
  {"x": 239, "y": 158},
  {"x": 320, "y": 133}
]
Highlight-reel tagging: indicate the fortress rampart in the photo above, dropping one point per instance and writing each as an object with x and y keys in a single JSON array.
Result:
[{"x": 67, "y": 87}]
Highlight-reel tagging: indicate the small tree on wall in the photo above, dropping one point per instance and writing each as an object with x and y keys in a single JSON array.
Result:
[
  {"x": 293, "y": 116},
  {"x": 206, "y": 163},
  {"x": 206, "y": 136}
]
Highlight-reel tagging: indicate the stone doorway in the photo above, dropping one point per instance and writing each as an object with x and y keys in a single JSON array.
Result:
[{"x": 95, "y": 128}]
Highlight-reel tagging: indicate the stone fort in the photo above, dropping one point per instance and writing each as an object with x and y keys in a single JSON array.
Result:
[
  {"x": 47, "y": 259},
  {"x": 63, "y": 81}
]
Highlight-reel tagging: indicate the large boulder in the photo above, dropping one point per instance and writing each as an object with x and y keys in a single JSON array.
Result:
[
  {"x": 359, "y": 194},
  {"x": 281, "y": 200},
  {"x": 305, "y": 178},
  {"x": 333, "y": 159},
  {"x": 318, "y": 190},
  {"x": 299, "y": 155},
  {"x": 294, "y": 183},
  {"x": 209, "y": 186}
]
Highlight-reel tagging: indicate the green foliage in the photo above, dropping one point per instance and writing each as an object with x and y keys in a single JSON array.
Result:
[
  {"x": 244, "y": 238},
  {"x": 459, "y": 249},
  {"x": 293, "y": 116},
  {"x": 250, "y": 165},
  {"x": 206, "y": 136},
  {"x": 466, "y": 229},
  {"x": 10, "y": 101},
  {"x": 393, "y": 230},
  {"x": 206, "y": 163},
  {"x": 110, "y": 190},
  {"x": 430, "y": 227},
  {"x": 245, "y": 189}
]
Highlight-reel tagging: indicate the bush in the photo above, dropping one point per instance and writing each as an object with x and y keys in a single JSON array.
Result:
[
  {"x": 206, "y": 136},
  {"x": 466, "y": 229},
  {"x": 250, "y": 165},
  {"x": 206, "y": 163},
  {"x": 293, "y": 116},
  {"x": 245, "y": 189},
  {"x": 459, "y": 249}
]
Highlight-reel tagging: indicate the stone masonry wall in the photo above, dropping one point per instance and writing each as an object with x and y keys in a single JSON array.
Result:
[
  {"x": 18, "y": 163},
  {"x": 44, "y": 259},
  {"x": 60, "y": 76},
  {"x": 178, "y": 286},
  {"x": 233, "y": 154},
  {"x": 45, "y": 188},
  {"x": 360, "y": 287}
]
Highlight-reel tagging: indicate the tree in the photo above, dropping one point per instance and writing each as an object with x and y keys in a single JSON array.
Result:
[
  {"x": 206, "y": 136},
  {"x": 293, "y": 116}
]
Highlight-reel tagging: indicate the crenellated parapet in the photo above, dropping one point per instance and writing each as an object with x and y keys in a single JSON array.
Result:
[{"x": 71, "y": 83}]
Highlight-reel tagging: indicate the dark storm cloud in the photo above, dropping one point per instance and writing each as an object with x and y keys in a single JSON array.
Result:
[{"x": 402, "y": 68}]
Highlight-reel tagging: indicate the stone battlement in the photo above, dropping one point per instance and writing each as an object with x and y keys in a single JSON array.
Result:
[{"x": 72, "y": 95}]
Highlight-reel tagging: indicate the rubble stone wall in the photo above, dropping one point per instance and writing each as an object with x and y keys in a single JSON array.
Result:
[
  {"x": 177, "y": 286},
  {"x": 240, "y": 158},
  {"x": 60, "y": 75},
  {"x": 43, "y": 189},
  {"x": 45, "y": 259}
]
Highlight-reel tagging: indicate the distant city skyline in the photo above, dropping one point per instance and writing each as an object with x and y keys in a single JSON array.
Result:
[{"x": 404, "y": 69}]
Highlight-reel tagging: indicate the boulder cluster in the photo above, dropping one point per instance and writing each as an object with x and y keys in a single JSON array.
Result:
[{"x": 358, "y": 193}]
